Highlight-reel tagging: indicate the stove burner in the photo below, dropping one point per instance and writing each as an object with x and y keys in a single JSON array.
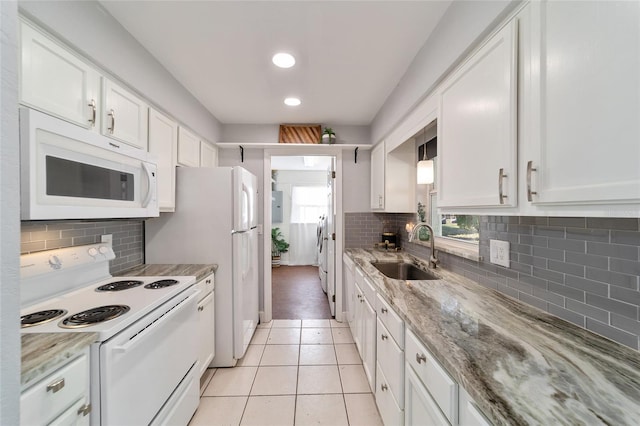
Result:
[
  {"x": 119, "y": 285},
  {"x": 40, "y": 317},
  {"x": 94, "y": 316},
  {"x": 161, "y": 284}
]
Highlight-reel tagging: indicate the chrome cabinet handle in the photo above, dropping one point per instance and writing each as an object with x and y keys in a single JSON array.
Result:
[
  {"x": 384, "y": 336},
  {"x": 530, "y": 169},
  {"x": 420, "y": 358},
  {"x": 383, "y": 387},
  {"x": 208, "y": 281},
  {"x": 384, "y": 310},
  {"x": 359, "y": 296},
  {"x": 55, "y": 386},
  {"x": 84, "y": 410},
  {"x": 501, "y": 176},
  {"x": 112, "y": 114},
  {"x": 92, "y": 120},
  {"x": 201, "y": 308}
]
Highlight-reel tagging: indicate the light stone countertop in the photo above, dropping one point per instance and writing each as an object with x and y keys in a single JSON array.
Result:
[
  {"x": 520, "y": 364},
  {"x": 43, "y": 351},
  {"x": 199, "y": 271}
]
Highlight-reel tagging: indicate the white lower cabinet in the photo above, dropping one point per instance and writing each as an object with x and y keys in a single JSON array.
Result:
[
  {"x": 420, "y": 408},
  {"x": 206, "y": 329},
  {"x": 469, "y": 413},
  {"x": 364, "y": 326},
  {"x": 437, "y": 382},
  {"x": 389, "y": 376},
  {"x": 60, "y": 397},
  {"x": 349, "y": 280}
]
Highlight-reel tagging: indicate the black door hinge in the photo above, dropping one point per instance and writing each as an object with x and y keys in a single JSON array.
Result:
[
  {"x": 333, "y": 174},
  {"x": 333, "y": 298},
  {"x": 333, "y": 236}
]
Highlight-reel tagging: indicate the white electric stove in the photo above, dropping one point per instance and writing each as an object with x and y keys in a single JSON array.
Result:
[{"x": 146, "y": 331}]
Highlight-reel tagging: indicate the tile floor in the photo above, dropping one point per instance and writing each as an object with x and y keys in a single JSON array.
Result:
[{"x": 295, "y": 372}]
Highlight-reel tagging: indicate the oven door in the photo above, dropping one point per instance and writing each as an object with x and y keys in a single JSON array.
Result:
[
  {"x": 141, "y": 367},
  {"x": 73, "y": 173}
]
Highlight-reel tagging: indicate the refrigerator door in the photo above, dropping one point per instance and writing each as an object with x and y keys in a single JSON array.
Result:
[
  {"x": 245, "y": 289},
  {"x": 245, "y": 204}
]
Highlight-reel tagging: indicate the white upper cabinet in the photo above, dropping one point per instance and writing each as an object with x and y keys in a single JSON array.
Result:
[
  {"x": 393, "y": 178},
  {"x": 377, "y": 177},
  {"x": 55, "y": 81},
  {"x": 477, "y": 131},
  {"x": 124, "y": 115},
  {"x": 188, "y": 148},
  {"x": 585, "y": 104},
  {"x": 163, "y": 141},
  {"x": 208, "y": 155}
]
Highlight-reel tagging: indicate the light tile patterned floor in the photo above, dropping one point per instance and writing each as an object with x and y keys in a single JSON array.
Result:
[{"x": 294, "y": 373}]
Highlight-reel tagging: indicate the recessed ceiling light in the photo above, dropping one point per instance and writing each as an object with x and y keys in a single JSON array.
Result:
[
  {"x": 283, "y": 60},
  {"x": 292, "y": 101}
]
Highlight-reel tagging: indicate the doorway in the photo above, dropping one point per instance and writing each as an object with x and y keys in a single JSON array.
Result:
[{"x": 303, "y": 207}]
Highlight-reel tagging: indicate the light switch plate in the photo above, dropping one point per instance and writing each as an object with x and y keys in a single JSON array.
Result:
[{"x": 499, "y": 252}]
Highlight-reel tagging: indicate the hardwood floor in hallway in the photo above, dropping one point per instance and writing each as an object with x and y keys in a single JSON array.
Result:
[{"x": 297, "y": 293}]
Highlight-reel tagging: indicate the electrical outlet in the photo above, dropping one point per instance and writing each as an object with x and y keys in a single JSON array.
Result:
[
  {"x": 499, "y": 252},
  {"x": 108, "y": 238}
]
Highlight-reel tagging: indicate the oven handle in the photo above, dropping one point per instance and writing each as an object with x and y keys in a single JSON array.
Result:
[
  {"x": 164, "y": 318},
  {"x": 147, "y": 198}
]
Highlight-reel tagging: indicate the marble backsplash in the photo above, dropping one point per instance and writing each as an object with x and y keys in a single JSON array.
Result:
[{"x": 584, "y": 270}]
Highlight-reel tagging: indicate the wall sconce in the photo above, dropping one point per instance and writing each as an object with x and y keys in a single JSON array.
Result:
[{"x": 425, "y": 168}]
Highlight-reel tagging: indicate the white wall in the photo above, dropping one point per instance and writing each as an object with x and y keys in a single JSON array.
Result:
[
  {"x": 9, "y": 219},
  {"x": 285, "y": 181},
  {"x": 463, "y": 25},
  {"x": 94, "y": 32}
]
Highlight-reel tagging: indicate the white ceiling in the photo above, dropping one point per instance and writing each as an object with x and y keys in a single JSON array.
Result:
[{"x": 350, "y": 54}]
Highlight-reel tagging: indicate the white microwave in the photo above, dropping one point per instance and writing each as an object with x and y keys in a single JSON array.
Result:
[{"x": 68, "y": 172}]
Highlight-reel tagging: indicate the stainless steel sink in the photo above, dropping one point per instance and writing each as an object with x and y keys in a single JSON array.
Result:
[{"x": 403, "y": 271}]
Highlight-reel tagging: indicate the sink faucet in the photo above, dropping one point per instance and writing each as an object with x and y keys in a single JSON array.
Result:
[{"x": 433, "y": 260}]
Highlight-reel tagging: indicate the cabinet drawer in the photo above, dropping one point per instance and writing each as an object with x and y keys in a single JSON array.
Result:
[
  {"x": 52, "y": 395},
  {"x": 390, "y": 412},
  {"x": 391, "y": 361},
  {"x": 391, "y": 320},
  {"x": 76, "y": 415},
  {"x": 440, "y": 385}
]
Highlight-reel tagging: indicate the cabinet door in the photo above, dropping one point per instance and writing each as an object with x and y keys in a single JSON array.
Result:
[
  {"x": 124, "y": 115},
  {"x": 419, "y": 407},
  {"x": 369, "y": 342},
  {"x": 477, "y": 134},
  {"x": 76, "y": 415},
  {"x": 208, "y": 155},
  {"x": 188, "y": 148},
  {"x": 163, "y": 142},
  {"x": 206, "y": 332},
  {"x": 55, "y": 81},
  {"x": 377, "y": 177},
  {"x": 358, "y": 321},
  {"x": 585, "y": 103}
]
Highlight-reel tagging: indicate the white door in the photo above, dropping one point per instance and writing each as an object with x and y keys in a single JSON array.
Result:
[
  {"x": 331, "y": 242},
  {"x": 377, "y": 176},
  {"x": 124, "y": 115},
  {"x": 586, "y": 103},
  {"x": 477, "y": 136},
  {"x": 163, "y": 141},
  {"x": 55, "y": 81},
  {"x": 208, "y": 155},
  {"x": 245, "y": 289},
  {"x": 188, "y": 148}
]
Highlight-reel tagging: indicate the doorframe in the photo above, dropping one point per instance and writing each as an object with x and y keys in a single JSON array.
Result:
[{"x": 336, "y": 152}]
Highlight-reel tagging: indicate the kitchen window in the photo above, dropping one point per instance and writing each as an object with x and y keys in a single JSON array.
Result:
[{"x": 453, "y": 228}]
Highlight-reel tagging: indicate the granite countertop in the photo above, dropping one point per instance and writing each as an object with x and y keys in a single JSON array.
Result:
[
  {"x": 42, "y": 351},
  {"x": 199, "y": 271},
  {"x": 521, "y": 365}
]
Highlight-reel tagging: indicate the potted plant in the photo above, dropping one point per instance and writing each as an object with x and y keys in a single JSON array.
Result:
[
  {"x": 423, "y": 234},
  {"x": 278, "y": 246},
  {"x": 328, "y": 135}
]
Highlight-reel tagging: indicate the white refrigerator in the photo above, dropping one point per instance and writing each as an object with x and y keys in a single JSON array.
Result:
[{"x": 215, "y": 221}]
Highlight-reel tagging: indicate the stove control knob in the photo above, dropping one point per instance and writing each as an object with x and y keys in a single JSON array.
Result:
[
  {"x": 54, "y": 262},
  {"x": 92, "y": 252},
  {"x": 103, "y": 250}
]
